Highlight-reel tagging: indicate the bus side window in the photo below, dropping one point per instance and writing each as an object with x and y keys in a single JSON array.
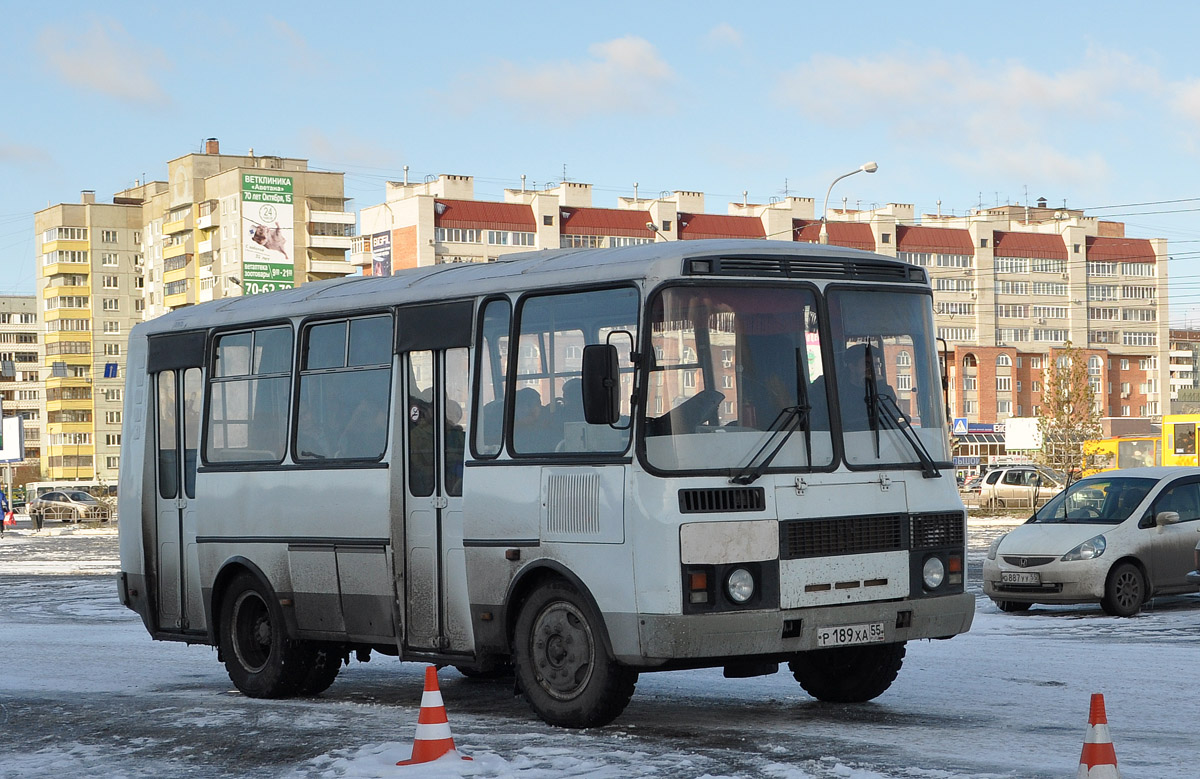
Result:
[
  {"x": 491, "y": 372},
  {"x": 249, "y": 396},
  {"x": 168, "y": 447},
  {"x": 191, "y": 428}
]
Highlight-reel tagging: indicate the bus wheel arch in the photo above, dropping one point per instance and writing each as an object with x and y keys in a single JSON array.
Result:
[
  {"x": 536, "y": 575},
  {"x": 562, "y": 659},
  {"x": 261, "y": 657}
]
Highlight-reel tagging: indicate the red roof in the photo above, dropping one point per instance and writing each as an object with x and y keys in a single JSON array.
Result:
[
  {"x": 698, "y": 226},
  {"x": 852, "y": 235},
  {"x": 605, "y": 221},
  {"x": 1120, "y": 250},
  {"x": 479, "y": 215},
  {"x": 1034, "y": 245},
  {"x": 935, "y": 240}
]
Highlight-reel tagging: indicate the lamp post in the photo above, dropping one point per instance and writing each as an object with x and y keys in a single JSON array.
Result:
[{"x": 866, "y": 167}]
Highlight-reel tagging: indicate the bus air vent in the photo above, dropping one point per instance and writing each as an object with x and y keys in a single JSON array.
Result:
[
  {"x": 801, "y": 538},
  {"x": 933, "y": 531},
  {"x": 721, "y": 499},
  {"x": 807, "y": 267}
]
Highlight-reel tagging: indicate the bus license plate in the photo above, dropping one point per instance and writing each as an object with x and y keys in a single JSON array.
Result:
[
  {"x": 1020, "y": 577},
  {"x": 848, "y": 635}
]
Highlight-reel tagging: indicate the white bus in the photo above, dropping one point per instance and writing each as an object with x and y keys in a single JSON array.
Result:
[{"x": 577, "y": 465}]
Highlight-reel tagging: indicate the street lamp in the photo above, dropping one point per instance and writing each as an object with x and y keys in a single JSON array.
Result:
[{"x": 866, "y": 167}]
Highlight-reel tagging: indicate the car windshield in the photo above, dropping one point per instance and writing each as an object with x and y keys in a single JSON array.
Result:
[{"x": 1096, "y": 501}]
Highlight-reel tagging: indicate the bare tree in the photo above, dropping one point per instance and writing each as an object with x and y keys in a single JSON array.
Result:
[{"x": 1069, "y": 415}]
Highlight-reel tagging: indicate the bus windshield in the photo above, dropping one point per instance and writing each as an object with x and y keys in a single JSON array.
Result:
[
  {"x": 726, "y": 363},
  {"x": 887, "y": 377}
]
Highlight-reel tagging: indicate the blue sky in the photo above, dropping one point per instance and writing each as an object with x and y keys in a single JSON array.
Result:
[{"x": 1093, "y": 104}]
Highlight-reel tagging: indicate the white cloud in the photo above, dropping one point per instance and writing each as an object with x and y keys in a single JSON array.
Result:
[
  {"x": 724, "y": 35},
  {"x": 622, "y": 75},
  {"x": 105, "y": 59},
  {"x": 23, "y": 155},
  {"x": 341, "y": 150},
  {"x": 1000, "y": 115}
]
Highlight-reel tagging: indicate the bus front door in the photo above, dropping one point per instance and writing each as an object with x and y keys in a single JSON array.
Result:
[
  {"x": 435, "y": 578},
  {"x": 177, "y": 422}
]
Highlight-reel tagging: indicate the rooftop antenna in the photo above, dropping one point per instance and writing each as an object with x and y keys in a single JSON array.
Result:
[
  {"x": 939, "y": 205},
  {"x": 406, "y": 175},
  {"x": 522, "y": 182},
  {"x": 635, "y": 196},
  {"x": 845, "y": 200},
  {"x": 745, "y": 194}
]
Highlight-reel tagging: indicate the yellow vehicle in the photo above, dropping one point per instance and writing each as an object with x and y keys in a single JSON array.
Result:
[
  {"x": 1179, "y": 439},
  {"x": 1105, "y": 454}
]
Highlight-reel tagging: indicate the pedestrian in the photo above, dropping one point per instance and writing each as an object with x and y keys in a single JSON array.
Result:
[{"x": 4, "y": 511}]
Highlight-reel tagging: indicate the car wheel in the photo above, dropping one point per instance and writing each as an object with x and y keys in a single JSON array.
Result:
[
  {"x": 261, "y": 660},
  {"x": 1012, "y": 605},
  {"x": 1124, "y": 592},
  {"x": 851, "y": 674},
  {"x": 561, "y": 663}
]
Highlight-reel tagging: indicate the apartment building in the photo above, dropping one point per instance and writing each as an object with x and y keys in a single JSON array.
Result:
[
  {"x": 21, "y": 386},
  {"x": 89, "y": 284},
  {"x": 219, "y": 226},
  {"x": 1013, "y": 285},
  {"x": 225, "y": 225}
]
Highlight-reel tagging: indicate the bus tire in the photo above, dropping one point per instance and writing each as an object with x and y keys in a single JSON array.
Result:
[
  {"x": 324, "y": 661},
  {"x": 851, "y": 674},
  {"x": 561, "y": 663},
  {"x": 262, "y": 661}
]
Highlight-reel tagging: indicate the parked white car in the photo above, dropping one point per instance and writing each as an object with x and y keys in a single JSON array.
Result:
[
  {"x": 1117, "y": 538},
  {"x": 1018, "y": 486}
]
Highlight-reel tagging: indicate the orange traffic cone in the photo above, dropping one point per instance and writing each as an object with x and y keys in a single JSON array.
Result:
[
  {"x": 433, "y": 737},
  {"x": 1099, "y": 759}
]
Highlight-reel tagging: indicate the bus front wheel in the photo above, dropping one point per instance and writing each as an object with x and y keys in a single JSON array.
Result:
[
  {"x": 561, "y": 663},
  {"x": 851, "y": 674},
  {"x": 261, "y": 660}
]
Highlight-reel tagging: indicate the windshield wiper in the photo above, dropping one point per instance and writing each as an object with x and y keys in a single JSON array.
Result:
[
  {"x": 883, "y": 407},
  {"x": 788, "y": 421}
]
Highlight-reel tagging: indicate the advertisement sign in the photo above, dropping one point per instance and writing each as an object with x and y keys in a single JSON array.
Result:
[
  {"x": 13, "y": 448},
  {"x": 268, "y": 240},
  {"x": 381, "y": 254}
]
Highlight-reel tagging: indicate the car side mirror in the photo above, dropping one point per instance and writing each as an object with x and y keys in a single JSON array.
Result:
[
  {"x": 1166, "y": 518},
  {"x": 601, "y": 379}
]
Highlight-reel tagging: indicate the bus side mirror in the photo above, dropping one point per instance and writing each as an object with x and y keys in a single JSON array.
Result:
[{"x": 601, "y": 385}]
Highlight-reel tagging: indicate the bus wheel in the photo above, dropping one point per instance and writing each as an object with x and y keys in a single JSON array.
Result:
[
  {"x": 324, "y": 661},
  {"x": 851, "y": 674},
  {"x": 261, "y": 660},
  {"x": 561, "y": 663}
]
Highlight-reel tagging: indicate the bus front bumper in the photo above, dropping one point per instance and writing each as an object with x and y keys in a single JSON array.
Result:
[{"x": 749, "y": 633}]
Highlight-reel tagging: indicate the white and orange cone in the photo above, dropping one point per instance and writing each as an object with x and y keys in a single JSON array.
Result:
[
  {"x": 433, "y": 737},
  {"x": 1099, "y": 759}
]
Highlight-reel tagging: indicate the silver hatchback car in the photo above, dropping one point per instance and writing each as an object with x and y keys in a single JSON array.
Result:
[{"x": 1117, "y": 538}]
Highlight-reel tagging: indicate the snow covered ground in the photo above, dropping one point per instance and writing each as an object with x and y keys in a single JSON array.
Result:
[{"x": 84, "y": 691}]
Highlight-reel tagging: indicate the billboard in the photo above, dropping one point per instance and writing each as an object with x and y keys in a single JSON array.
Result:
[
  {"x": 268, "y": 233},
  {"x": 1022, "y": 433},
  {"x": 12, "y": 442},
  {"x": 381, "y": 254}
]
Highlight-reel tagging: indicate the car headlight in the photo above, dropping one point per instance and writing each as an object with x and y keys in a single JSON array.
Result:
[
  {"x": 991, "y": 555},
  {"x": 933, "y": 572},
  {"x": 740, "y": 585},
  {"x": 1088, "y": 550}
]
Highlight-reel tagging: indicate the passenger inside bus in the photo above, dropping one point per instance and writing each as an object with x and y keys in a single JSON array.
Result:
[{"x": 856, "y": 367}]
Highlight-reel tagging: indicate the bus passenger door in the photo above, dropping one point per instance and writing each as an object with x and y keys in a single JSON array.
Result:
[
  {"x": 436, "y": 578},
  {"x": 177, "y": 422}
]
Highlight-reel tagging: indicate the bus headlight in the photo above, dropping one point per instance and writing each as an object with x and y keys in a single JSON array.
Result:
[
  {"x": 740, "y": 585},
  {"x": 934, "y": 572}
]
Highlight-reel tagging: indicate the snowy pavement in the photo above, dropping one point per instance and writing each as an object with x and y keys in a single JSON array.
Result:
[{"x": 85, "y": 692}]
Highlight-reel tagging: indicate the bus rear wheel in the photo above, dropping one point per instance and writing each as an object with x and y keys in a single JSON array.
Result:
[
  {"x": 851, "y": 674},
  {"x": 561, "y": 663},
  {"x": 261, "y": 660}
]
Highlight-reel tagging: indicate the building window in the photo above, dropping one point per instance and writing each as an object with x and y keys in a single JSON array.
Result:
[
  {"x": 1012, "y": 265},
  {"x": 112, "y": 417},
  {"x": 111, "y": 282},
  {"x": 1003, "y": 361},
  {"x": 1135, "y": 338},
  {"x": 111, "y": 304},
  {"x": 108, "y": 236},
  {"x": 547, "y": 219},
  {"x": 1012, "y": 287},
  {"x": 1139, "y": 269},
  {"x": 1004, "y": 407},
  {"x": 112, "y": 439},
  {"x": 109, "y": 259},
  {"x": 1041, "y": 265},
  {"x": 1004, "y": 383},
  {"x": 1049, "y": 288},
  {"x": 903, "y": 359},
  {"x": 112, "y": 395},
  {"x": 112, "y": 350},
  {"x": 457, "y": 235}
]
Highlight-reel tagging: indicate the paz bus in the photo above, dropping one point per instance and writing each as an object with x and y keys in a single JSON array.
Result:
[
  {"x": 575, "y": 466},
  {"x": 1179, "y": 439},
  {"x": 1106, "y": 454}
]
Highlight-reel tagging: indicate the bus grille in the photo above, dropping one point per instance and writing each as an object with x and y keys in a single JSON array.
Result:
[
  {"x": 573, "y": 504},
  {"x": 802, "y": 538},
  {"x": 932, "y": 531},
  {"x": 721, "y": 499}
]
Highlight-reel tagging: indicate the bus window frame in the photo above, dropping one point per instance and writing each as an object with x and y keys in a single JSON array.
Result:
[
  {"x": 209, "y": 376},
  {"x": 477, "y": 375},
  {"x": 719, "y": 282},
  {"x": 302, "y": 328},
  {"x": 514, "y": 338}
]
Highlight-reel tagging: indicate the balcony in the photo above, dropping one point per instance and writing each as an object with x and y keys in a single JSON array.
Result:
[
  {"x": 175, "y": 251},
  {"x": 330, "y": 241},
  {"x": 331, "y": 217},
  {"x": 332, "y": 266},
  {"x": 206, "y": 222},
  {"x": 176, "y": 226},
  {"x": 204, "y": 246}
]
